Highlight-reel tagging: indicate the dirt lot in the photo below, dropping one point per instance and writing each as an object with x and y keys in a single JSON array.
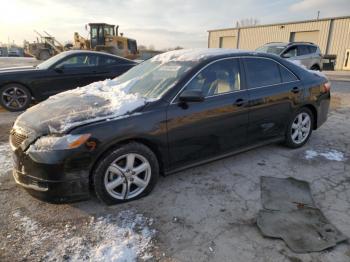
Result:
[{"x": 206, "y": 213}]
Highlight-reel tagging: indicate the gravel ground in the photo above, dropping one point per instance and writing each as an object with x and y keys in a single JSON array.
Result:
[{"x": 207, "y": 213}]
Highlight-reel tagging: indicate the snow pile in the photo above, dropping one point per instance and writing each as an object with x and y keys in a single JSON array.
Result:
[
  {"x": 124, "y": 237},
  {"x": 196, "y": 54},
  {"x": 5, "y": 158},
  {"x": 332, "y": 154},
  {"x": 316, "y": 72}
]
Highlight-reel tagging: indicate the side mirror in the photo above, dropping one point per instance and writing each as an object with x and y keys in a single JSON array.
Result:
[
  {"x": 287, "y": 55},
  {"x": 191, "y": 96},
  {"x": 59, "y": 69}
]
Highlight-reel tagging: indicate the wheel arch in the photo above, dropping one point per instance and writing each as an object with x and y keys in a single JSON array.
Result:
[
  {"x": 312, "y": 108},
  {"x": 316, "y": 65},
  {"x": 18, "y": 83},
  {"x": 151, "y": 145}
]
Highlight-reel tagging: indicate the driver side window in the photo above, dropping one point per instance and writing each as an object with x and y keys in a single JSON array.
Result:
[
  {"x": 291, "y": 52},
  {"x": 79, "y": 61},
  {"x": 218, "y": 78}
]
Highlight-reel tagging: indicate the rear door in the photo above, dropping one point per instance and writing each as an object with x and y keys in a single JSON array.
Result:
[
  {"x": 304, "y": 55},
  {"x": 111, "y": 67},
  {"x": 73, "y": 71},
  {"x": 274, "y": 92},
  {"x": 217, "y": 125}
]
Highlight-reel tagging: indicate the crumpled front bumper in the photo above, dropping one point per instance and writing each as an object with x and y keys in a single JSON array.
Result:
[
  {"x": 53, "y": 191},
  {"x": 56, "y": 178}
]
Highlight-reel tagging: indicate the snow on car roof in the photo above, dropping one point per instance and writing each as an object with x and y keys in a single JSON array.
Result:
[{"x": 194, "y": 54}]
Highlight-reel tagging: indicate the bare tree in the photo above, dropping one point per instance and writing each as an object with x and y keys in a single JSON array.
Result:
[{"x": 247, "y": 22}]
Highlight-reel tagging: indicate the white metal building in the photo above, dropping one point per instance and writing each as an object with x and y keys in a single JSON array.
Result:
[{"x": 332, "y": 35}]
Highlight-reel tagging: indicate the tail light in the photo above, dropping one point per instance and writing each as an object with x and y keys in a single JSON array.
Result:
[{"x": 326, "y": 87}]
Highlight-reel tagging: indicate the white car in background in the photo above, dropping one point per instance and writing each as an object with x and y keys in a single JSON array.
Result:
[{"x": 308, "y": 54}]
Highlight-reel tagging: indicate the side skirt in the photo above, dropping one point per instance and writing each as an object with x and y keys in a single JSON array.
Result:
[{"x": 243, "y": 149}]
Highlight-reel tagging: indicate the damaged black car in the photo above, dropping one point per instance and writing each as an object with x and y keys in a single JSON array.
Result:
[{"x": 174, "y": 111}]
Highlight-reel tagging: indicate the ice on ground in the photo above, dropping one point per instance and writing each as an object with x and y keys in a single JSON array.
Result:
[
  {"x": 27, "y": 224},
  {"x": 196, "y": 54},
  {"x": 332, "y": 154},
  {"x": 124, "y": 237},
  {"x": 5, "y": 158}
]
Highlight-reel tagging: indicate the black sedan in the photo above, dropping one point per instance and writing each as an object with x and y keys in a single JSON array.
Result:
[
  {"x": 174, "y": 111},
  {"x": 67, "y": 70}
]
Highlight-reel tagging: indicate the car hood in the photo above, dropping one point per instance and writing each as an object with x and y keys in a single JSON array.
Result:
[
  {"x": 62, "y": 112},
  {"x": 18, "y": 69}
]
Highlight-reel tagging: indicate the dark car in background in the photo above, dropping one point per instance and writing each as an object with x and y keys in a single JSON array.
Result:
[
  {"x": 307, "y": 54},
  {"x": 178, "y": 109},
  {"x": 19, "y": 86}
]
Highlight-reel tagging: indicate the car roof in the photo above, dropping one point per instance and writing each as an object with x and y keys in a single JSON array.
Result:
[
  {"x": 70, "y": 52},
  {"x": 206, "y": 54},
  {"x": 288, "y": 43}
]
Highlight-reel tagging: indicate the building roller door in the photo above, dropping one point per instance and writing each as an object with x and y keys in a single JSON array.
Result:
[
  {"x": 227, "y": 42},
  {"x": 305, "y": 36}
]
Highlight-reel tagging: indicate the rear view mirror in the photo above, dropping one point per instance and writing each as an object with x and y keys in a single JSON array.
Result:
[{"x": 191, "y": 96}]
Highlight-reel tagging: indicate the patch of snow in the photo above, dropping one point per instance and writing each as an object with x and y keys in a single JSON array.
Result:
[
  {"x": 26, "y": 223},
  {"x": 310, "y": 154},
  {"x": 124, "y": 237},
  {"x": 332, "y": 154},
  {"x": 315, "y": 72},
  {"x": 196, "y": 54},
  {"x": 5, "y": 158}
]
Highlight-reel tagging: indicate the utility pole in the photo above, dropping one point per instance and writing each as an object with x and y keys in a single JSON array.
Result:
[{"x": 318, "y": 15}]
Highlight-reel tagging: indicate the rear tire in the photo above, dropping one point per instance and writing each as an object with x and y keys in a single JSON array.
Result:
[
  {"x": 316, "y": 68},
  {"x": 126, "y": 173},
  {"x": 300, "y": 128},
  {"x": 15, "y": 97}
]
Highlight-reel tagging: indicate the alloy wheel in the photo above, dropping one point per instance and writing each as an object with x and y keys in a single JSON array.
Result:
[
  {"x": 301, "y": 128},
  {"x": 127, "y": 176},
  {"x": 14, "y": 97}
]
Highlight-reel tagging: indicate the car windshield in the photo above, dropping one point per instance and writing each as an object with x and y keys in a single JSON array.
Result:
[
  {"x": 271, "y": 49},
  {"x": 151, "y": 79},
  {"x": 49, "y": 62}
]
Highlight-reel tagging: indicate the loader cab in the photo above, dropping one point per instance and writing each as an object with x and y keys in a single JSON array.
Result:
[{"x": 100, "y": 33}]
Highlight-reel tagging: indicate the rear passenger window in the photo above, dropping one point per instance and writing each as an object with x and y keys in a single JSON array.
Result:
[
  {"x": 312, "y": 49},
  {"x": 303, "y": 50},
  {"x": 262, "y": 72},
  {"x": 287, "y": 76}
]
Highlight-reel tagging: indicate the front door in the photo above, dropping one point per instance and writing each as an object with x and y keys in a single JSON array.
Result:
[
  {"x": 74, "y": 71},
  {"x": 217, "y": 125}
]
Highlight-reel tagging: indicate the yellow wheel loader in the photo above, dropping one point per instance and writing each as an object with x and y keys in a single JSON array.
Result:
[{"x": 105, "y": 37}]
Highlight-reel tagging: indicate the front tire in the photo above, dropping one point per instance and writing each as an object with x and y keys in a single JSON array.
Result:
[
  {"x": 126, "y": 173},
  {"x": 15, "y": 97},
  {"x": 300, "y": 128}
]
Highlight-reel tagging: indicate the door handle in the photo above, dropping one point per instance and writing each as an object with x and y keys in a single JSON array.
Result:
[
  {"x": 295, "y": 90},
  {"x": 239, "y": 102}
]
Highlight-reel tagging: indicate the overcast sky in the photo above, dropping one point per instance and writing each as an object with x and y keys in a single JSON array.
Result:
[{"x": 161, "y": 23}]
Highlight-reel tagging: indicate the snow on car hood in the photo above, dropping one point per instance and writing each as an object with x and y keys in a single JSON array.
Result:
[{"x": 97, "y": 101}]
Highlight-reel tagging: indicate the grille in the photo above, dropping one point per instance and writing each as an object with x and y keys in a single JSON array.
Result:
[{"x": 17, "y": 138}]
